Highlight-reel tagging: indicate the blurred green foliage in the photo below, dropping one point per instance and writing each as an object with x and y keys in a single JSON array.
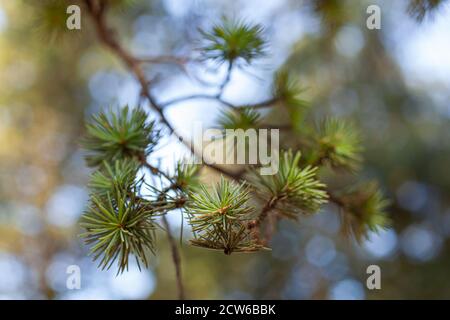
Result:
[{"x": 46, "y": 95}]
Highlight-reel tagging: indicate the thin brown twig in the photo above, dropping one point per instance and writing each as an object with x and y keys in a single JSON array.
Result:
[
  {"x": 154, "y": 170},
  {"x": 336, "y": 200},
  {"x": 163, "y": 60},
  {"x": 260, "y": 105},
  {"x": 265, "y": 211},
  {"x": 270, "y": 205},
  {"x": 255, "y": 225},
  {"x": 97, "y": 11},
  {"x": 175, "y": 257},
  {"x": 197, "y": 96},
  {"x": 226, "y": 80},
  {"x": 106, "y": 35}
]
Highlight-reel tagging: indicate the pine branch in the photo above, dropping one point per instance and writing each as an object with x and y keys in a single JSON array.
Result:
[
  {"x": 197, "y": 96},
  {"x": 259, "y": 105},
  {"x": 338, "y": 144},
  {"x": 111, "y": 136},
  {"x": 362, "y": 209},
  {"x": 97, "y": 10},
  {"x": 117, "y": 225},
  {"x": 263, "y": 104},
  {"x": 221, "y": 218},
  {"x": 233, "y": 40},
  {"x": 226, "y": 80},
  {"x": 181, "y": 61},
  {"x": 239, "y": 119},
  {"x": 290, "y": 192},
  {"x": 423, "y": 8},
  {"x": 175, "y": 257}
]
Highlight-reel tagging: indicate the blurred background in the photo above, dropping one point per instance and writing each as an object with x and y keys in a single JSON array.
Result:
[{"x": 394, "y": 82}]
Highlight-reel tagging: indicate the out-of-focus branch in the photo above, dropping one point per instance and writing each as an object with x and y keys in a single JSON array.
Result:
[
  {"x": 197, "y": 96},
  {"x": 266, "y": 212},
  {"x": 226, "y": 80},
  {"x": 163, "y": 60},
  {"x": 260, "y": 105},
  {"x": 153, "y": 169},
  {"x": 97, "y": 9},
  {"x": 175, "y": 257}
]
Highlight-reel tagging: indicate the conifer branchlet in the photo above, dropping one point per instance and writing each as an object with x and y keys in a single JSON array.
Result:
[
  {"x": 219, "y": 218},
  {"x": 120, "y": 221}
]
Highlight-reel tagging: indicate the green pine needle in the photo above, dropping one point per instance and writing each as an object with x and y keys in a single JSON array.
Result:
[
  {"x": 363, "y": 210},
  {"x": 339, "y": 144},
  {"x": 234, "y": 39},
  {"x": 218, "y": 218},
  {"x": 186, "y": 176},
  {"x": 293, "y": 190},
  {"x": 121, "y": 174},
  {"x": 239, "y": 119},
  {"x": 421, "y": 8},
  {"x": 118, "y": 225},
  {"x": 287, "y": 90},
  {"x": 114, "y": 136},
  {"x": 50, "y": 19}
]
